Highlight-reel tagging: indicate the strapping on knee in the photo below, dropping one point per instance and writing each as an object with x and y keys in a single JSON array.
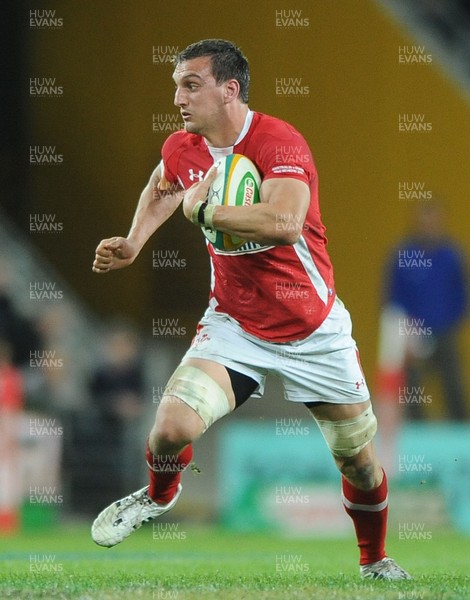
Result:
[
  {"x": 199, "y": 391},
  {"x": 349, "y": 436}
]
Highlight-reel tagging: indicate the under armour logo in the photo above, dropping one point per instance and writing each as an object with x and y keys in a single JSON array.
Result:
[
  {"x": 359, "y": 383},
  {"x": 193, "y": 176}
]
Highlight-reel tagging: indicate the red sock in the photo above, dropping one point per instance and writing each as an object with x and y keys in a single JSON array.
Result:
[
  {"x": 165, "y": 473},
  {"x": 369, "y": 512}
]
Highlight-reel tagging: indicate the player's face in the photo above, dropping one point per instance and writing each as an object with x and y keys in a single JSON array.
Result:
[{"x": 198, "y": 97}]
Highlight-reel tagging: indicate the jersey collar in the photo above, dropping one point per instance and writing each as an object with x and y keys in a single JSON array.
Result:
[{"x": 217, "y": 153}]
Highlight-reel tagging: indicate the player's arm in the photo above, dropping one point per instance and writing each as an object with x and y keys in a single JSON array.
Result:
[
  {"x": 156, "y": 204},
  {"x": 277, "y": 220}
]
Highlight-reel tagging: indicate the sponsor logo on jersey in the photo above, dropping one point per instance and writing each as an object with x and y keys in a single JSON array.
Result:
[{"x": 288, "y": 169}]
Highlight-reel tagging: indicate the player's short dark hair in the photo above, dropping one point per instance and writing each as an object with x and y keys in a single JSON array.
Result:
[{"x": 228, "y": 62}]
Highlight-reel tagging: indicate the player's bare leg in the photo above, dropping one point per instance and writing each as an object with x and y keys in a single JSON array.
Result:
[
  {"x": 207, "y": 389},
  {"x": 364, "y": 487},
  {"x": 177, "y": 425},
  {"x": 362, "y": 470}
]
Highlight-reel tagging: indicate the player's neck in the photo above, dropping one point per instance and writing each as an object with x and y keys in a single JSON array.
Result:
[{"x": 228, "y": 133}]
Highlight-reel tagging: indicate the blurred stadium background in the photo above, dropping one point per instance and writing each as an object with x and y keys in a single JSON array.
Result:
[{"x": 88, "y": 89}]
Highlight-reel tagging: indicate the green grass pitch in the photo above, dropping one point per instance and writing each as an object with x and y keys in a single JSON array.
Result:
[{"x": 186, "y": 563}]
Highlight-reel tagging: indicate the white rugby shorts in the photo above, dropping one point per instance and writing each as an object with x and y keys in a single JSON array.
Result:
[{"x": 324, "y": 367}]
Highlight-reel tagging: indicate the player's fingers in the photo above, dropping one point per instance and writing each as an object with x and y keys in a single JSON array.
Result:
[
  {"x": 103, "y": 253},
  {"x": 99, "y": 269},
  {"x": 211, "y": 174},
  {"x": 105, "y": 256},
  {"x": 102, "y": 262},
  {"x": 114, "y": 244}
]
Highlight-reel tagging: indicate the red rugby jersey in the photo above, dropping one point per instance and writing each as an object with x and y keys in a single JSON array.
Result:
[{"x": 276, "y": 293}]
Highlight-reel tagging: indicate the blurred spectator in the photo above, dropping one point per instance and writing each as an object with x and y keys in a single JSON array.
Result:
[
  {"x": 424, "y": 307},
  {"x": 11, "y": 402},
  {"x": 59, "y": 388},
  {"x": 117, "y": 388},
  {"x": 20, "y": 332}
]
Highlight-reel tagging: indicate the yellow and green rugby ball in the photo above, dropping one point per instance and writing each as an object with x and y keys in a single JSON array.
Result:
[{"x": 237, "y": 183}]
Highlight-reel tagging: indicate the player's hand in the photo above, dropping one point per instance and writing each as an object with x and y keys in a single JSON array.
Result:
[
  {"x": 197, "y": 192},
  {"x": 113, "y": 253}
]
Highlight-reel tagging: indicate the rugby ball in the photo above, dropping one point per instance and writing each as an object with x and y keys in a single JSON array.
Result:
[{"x": 237, "y": 183}]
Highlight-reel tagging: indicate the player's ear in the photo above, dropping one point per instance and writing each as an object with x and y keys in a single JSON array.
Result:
[{"x": 232, "y": 90}]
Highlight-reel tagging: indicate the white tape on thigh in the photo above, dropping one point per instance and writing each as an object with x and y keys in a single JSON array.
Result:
[
  {"x": 200, "y": 392},
  {"x": 349, "y": 436}
]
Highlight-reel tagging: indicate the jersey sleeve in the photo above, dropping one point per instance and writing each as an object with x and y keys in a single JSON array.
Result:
[
  {"x": 170, "y": 156},
  {"x": 285, "y": 153}
]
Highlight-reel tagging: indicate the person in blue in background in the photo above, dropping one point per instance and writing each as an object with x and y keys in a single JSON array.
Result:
[{"x": 426, "y": 279}]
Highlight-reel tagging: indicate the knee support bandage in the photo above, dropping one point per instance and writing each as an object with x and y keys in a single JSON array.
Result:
[
  {"x": 199, "y": 391},
  {"x": 349, "y": 436}
]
